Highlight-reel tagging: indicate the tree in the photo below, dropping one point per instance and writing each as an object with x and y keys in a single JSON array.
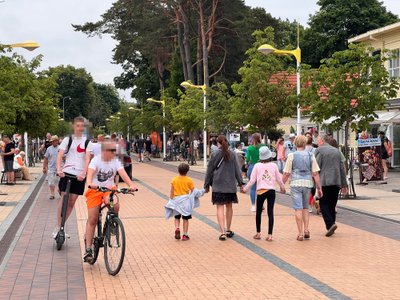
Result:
[
  {"x": 27, "y": 99},
  {"x": 262, "y": 98},
  {"x": 351, "y": 86},
  {"x": 106, "y": 102},
  {"x": 77, "y": 84},
  {"x": 336, "y": 22}
]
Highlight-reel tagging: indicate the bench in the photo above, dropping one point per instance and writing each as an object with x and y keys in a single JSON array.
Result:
[{"x": 17, "y": 175}]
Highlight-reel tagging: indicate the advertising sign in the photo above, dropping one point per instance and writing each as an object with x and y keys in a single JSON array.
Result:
[{"x": 369, "y": 155}]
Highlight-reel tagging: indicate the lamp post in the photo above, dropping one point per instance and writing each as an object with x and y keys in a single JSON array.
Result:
[
  {"x": 186, "y": 85},
  {"x": 63, "y": 101},
  {"x": 30, "y": 45},
  {"x": 268, "y": 49},
  {"x": 162, "y": 102}
]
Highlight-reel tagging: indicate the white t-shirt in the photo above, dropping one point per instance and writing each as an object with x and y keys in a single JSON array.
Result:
[
  {"x": 105, "y": 171},
  {"x": 195, "y": 144},
  {"x": 96, "y": 149},
  {"x": 75, "y": 158}
]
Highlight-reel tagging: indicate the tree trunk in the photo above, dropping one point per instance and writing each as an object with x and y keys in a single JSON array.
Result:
[
  {"x": 182, "y": 49},
  {"x": 199, "y": 59},
  {"x": 204, "y": 44},
  {"x": 186, "y": 43}
]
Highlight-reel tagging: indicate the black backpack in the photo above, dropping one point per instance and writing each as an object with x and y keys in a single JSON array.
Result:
[{"x": 70, "y": 143}]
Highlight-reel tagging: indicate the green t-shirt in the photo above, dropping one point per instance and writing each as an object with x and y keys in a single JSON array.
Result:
[{"x": 253, "y": 153}]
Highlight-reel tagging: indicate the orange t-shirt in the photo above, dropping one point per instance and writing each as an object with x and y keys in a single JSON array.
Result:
[{"x": 182, "y": 185}]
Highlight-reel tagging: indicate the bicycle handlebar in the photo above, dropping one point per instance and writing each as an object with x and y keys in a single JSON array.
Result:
[{"x": 114, "y": 191}]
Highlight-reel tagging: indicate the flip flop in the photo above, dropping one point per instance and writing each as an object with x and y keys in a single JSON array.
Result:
[
  {"x": 222, "y": 237},
  {"x": 230, "y": 234},
  {"x": 257, "y": 237},
  {"x": 269, "y": 239},
  {"x": 300, "y": 238}
]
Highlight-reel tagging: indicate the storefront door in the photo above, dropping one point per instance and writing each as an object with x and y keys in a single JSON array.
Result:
[{"x": 396, "y": 146}]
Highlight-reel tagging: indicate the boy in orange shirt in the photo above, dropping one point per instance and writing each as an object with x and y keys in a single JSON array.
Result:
[{"x": 182, "y": 185}]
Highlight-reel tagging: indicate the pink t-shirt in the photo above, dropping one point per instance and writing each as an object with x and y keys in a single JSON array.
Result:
[
  {"x": 266, "y": 175},
  {"x": 280, "y": 148}
]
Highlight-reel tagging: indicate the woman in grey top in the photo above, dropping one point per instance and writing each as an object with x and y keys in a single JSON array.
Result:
[{"x": 223, "y": 174}]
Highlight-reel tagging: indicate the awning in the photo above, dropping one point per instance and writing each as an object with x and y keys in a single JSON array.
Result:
[{"x": 386, "y": 116}]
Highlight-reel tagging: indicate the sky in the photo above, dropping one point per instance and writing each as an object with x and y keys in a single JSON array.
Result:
[{"x": 49, "y": 23}]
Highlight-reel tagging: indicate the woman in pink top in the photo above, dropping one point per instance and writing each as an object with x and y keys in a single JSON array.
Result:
[
  {"x": 266, "y": 175},
  {"x": 280, "y": 149}
]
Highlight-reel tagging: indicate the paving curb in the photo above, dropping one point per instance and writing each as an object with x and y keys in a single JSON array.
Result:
[
  {"x": 369, "y": 214},
  {"x": 12, "y": 223}
]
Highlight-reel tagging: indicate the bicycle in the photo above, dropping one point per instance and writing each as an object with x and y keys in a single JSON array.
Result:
[
  {"x": 110, "y": 235},
  {"x": 60, "y": 238}
]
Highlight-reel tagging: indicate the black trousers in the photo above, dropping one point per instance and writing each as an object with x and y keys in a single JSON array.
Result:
[
  {"x": 328, "y": 203},
  {"x": 270, "y": 196}
]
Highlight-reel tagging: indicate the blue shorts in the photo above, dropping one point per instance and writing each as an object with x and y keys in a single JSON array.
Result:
[{"x": 300, "y": 197}]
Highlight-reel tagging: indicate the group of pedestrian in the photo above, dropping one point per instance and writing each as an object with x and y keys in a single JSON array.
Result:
[{"x": 306, "y": 167}]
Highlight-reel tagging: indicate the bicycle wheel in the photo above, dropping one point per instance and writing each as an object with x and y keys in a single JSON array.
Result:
[
  {"x": 96, "y": 248},
  {"x": 114, "y": 246}
]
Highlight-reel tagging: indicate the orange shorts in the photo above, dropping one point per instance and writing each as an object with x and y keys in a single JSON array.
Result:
[{"x": 95, "y": 198}]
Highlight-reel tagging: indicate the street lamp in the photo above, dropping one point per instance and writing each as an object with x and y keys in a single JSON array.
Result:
[
  {"x": 63, "y": 101},
  {"x": 30, "y": 45},
  {"x": 268, "y": 49},
  {"x": 186, "y": 85},
  {"x": 162, "y": 102}
]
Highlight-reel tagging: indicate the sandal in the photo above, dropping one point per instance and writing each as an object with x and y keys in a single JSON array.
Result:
[
  {"x": 269, "y": 238},
  {"x": 230, "y": 234},
  {"x": 300, "y": 238},
  {"x": 257, "y": 236},
  {"x": 222, "y": 237},
  {"x": 306, "y": 234}
]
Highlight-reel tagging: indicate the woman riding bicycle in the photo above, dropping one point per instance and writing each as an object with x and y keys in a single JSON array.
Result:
[{"x": 101, "y": 173}]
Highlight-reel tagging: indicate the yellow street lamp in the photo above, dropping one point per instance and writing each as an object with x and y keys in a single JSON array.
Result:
[
  {"x": 162, "y": 102},
  {"x": 268, "y": 49},
  {"x": 186, "y": 85},
  {"x": 29, "y": 45}
]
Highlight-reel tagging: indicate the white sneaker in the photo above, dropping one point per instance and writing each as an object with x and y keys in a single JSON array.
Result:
[
  {"x": 310, "y": 210},
  {"x": 55, "y": 232},
  {"x": 253, "y": 208}
]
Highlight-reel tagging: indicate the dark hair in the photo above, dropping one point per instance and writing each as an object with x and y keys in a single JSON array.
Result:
[
  {"x": 183, "y": 169},
  {"x": 79, "y": 120},
  {"x": 333, "y": 143},
  {"x": 224, "y": 147},
  {"x": 256, "y": 138},
  {"x": 309, "y": 140}
]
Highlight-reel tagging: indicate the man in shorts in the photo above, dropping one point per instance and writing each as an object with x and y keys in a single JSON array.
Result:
[
  {"x": 78, "y": 152},
  {"x": 8, "y": 156},
  {"x": 50, "y": 165},
  {"x": 101, "y": 173}
]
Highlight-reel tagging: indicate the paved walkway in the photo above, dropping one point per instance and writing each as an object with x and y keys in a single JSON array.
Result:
[{"x": 361, "y": 261}]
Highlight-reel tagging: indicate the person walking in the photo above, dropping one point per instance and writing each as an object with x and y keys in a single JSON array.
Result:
[
  {"x": 266, "y": 175},
  {"x": 50, "y": 165},
  {"x": 302, "y": 167},
  {"x": 252, "y": 157},
  {"x": 280, "y": 150},
  {"x": 333, "y": 179},
  {"x": 8, "y": 159},
  {"x": 289, "y": 145},
  {"x": 223, "y": 174},
  {"x": 386, "y": 150}
]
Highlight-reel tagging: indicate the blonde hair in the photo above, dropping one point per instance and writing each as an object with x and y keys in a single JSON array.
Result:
[{"x": 300, "y": 141}]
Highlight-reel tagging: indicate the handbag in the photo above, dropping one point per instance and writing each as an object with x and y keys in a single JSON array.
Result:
[{"x": 388, "y": 148}]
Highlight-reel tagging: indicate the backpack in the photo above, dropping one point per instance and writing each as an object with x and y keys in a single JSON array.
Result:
[{"x": 70, "y": 143}]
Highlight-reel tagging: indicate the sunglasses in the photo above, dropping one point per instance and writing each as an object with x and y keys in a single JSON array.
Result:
[{"x": 111, "y": 150}]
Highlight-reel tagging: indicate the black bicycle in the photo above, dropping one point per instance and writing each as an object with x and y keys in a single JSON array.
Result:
[
  {"x": 110, "y": 235},
  {"x": 60, "y": 238}
]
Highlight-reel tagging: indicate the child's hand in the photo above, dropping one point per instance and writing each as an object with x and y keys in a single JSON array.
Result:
[
  {"x": 207, "y": 189},
  {"x": 242, "y": 190}
]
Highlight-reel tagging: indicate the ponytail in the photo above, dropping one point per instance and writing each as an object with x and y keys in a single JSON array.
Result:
[{"x": 224, "y": 147}]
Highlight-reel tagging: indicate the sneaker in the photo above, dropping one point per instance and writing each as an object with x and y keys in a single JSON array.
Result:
[
  {"x": 331, "y": 230},
  {"x": 310, "y": 210},
  {"x": 177, "y": 234},
  {"x": 253, "y": 208},
  {"x": 88, "y": 255},
  {"x": 185, "y": 237}
]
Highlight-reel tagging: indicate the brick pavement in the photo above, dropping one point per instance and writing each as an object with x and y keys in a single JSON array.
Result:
[{"x": 357, "y": 262}]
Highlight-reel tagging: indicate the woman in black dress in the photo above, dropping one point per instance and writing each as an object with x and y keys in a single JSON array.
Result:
[{"x": 223, "y": 174}]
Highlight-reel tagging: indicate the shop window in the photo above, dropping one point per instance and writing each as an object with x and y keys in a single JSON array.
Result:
[{"x": 394, "y": 64}]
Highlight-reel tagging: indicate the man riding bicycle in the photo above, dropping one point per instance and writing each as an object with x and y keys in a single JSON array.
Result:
[
  {"x": 101, "y": 173},
  {"x": 78, "y": 152}
]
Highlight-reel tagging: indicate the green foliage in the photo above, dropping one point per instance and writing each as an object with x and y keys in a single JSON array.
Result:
[
  {"x": 350, "y": 86},
  {"x": 76, "y": 83},
  {"x": 27, "y": 99},
  {"x": 219, "y": 109},
  {"x": 258, "y": 101},
  {"x": 188, "y": 114},
  {"x": 336, "y": 22},
  {"x": 106, "y": 102}
]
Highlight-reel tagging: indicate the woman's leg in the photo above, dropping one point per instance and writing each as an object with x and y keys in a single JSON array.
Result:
[
  {"x": 270, "y": 210},
  {"x": 254, "y": 187},
  {"x": 385, "y": 168},
  {"x": 229, "y": 214},
  {"x": 306, "y": 214},
  {"x": 260, "y": 203},
  {"x": 220, "y": 218},
  {"x": 299, "y": 220}
]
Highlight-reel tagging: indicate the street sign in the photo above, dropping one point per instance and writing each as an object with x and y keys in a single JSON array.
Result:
[{"x": 234, "y": 137}]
